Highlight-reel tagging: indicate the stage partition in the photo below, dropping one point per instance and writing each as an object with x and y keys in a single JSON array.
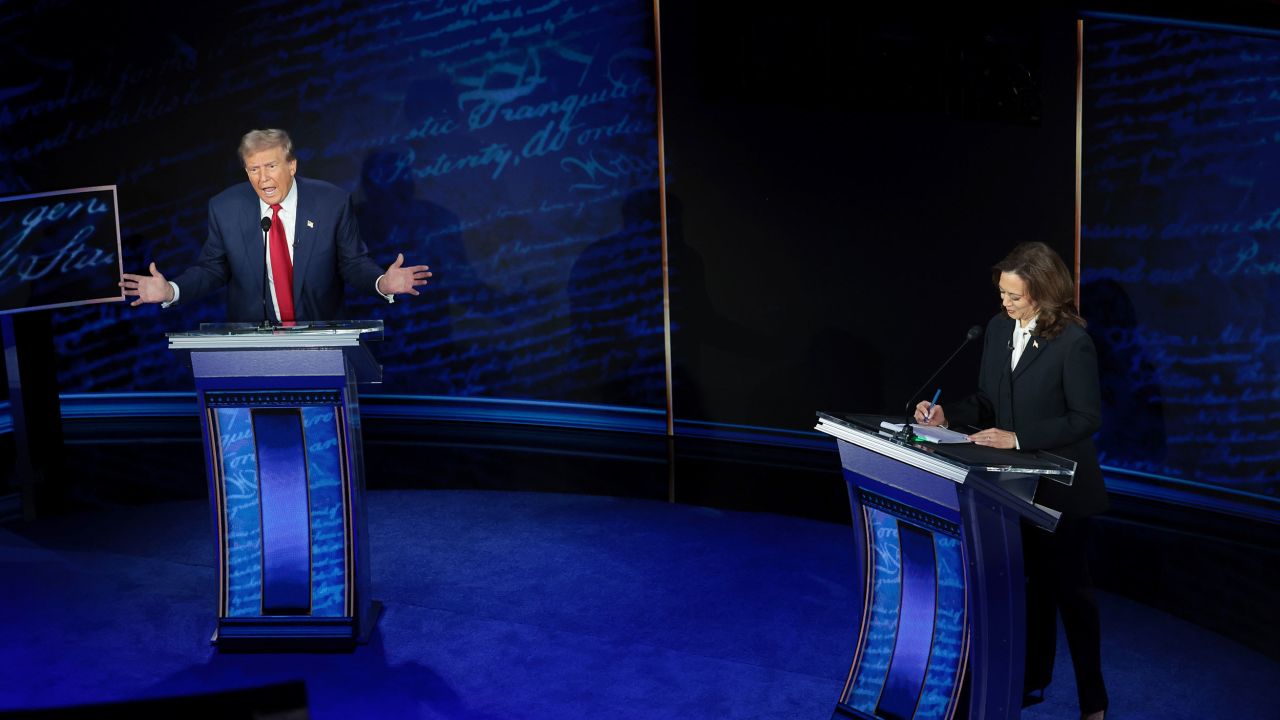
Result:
[
  {"x": 58, "y": 249},
  {"x": 941, "y": 606},
  {"x": 281, "y": 425}
]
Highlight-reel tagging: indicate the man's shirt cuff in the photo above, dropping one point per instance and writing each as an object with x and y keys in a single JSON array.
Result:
[{"x": 388, "y": 298}]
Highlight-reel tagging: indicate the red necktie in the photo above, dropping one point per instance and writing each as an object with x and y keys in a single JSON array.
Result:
[{"x": 281, "y": 266}]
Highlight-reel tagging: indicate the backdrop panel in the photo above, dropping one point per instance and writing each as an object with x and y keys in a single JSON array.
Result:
[
  {"x": 510, "y": 145},
  {"x": 1180, "y": 250}
]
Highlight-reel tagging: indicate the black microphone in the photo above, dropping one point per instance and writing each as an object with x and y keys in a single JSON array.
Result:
[
  {"x": 974, "y": 333},
  {"x": 266, "y": 315}
]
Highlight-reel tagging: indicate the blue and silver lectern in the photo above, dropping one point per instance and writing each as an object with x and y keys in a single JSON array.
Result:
[
  {"x": 939, "y": 562},
  {"x": 281, "y": 424}
]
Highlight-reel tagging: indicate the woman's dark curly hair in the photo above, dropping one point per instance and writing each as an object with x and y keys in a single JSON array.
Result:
[{"x": 1049, "y": 285}]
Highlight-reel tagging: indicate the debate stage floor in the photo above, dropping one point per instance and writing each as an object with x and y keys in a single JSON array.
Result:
[{"x": 530, "y": 605}]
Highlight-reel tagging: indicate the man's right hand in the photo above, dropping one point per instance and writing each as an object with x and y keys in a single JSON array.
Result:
[{"x": 151, "y": 288}]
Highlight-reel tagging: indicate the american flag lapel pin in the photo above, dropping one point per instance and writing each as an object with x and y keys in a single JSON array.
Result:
[{"x": 311, "y": 224}]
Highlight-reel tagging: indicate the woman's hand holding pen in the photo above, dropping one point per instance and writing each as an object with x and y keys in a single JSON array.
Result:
[{"x": 935, "y": 414}]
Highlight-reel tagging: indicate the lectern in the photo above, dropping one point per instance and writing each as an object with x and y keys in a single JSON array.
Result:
[
  {"x": 939, "y": 562},
  {"x": 281, "y": 424}
]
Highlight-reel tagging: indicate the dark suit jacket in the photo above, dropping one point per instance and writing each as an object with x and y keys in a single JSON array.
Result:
[
  {"x": 1051, "y": 400},
  {"x": 327, "y": 250}
]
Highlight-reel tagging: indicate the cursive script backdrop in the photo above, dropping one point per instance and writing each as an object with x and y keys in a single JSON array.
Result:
[
  {"x": 59, "y": 249},
  {"x": 509, "y": 144},
  {"x": 1180, "y": 250}
]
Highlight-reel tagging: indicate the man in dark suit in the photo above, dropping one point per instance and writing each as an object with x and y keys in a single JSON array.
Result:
[
  {"x": 1038, "y": 389},
  {"x": 313, "y": 246}
]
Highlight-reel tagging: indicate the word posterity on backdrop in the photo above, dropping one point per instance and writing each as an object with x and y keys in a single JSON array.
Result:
[
  {"x": 1180, "y": 250},
  {"x": 510, "y": 145}
]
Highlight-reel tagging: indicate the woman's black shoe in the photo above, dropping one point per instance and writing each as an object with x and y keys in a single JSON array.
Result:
[{"x": 1032, "y": 697}]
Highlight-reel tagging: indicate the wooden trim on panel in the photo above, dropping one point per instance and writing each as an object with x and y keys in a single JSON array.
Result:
[
  {"x": 1079, "y": 143},
  {"x": 662, "y": 214}
]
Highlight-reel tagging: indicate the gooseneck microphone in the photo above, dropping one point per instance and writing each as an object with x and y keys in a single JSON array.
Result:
[
  {"x": 265, "y": 224},
  {"x": 974, "y": 333}
]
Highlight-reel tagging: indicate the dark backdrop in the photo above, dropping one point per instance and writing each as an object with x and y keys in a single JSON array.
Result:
[{"x": 844, "y": 181}]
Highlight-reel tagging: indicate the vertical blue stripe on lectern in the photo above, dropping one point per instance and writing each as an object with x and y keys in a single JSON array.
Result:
[
  {"x": 915, "y": 624},
  {"x": 948, "y": 638},
  {"x": 882, "y": 621},
  {"x": 286, "y": 537},
  {"x": 243, "y": 521},
  {"x": 328, "y": 532}
]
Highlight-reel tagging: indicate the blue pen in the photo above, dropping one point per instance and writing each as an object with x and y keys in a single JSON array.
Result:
[{"x": 929, "y": 410}]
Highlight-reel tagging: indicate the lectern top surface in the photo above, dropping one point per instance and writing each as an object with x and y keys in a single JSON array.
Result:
[
  {"x": 968, "y": 455},
  {"x": 277, "y": 335},
  {"x": 364, "y": 326}
]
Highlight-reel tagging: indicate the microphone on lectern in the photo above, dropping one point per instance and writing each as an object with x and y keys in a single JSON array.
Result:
[
  {"x": 265, "y": 224},
  {"x": 974, "y": 333}
]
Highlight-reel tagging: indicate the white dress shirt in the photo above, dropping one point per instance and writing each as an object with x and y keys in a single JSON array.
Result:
[
  {"x": 288, "y": 218},
  {"x": 1021, "y": 337}
]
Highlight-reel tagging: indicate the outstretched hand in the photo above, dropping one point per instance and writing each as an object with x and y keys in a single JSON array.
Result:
[
  {"x": 399, "y": 279},
  {"x": 151, "y": 288}
]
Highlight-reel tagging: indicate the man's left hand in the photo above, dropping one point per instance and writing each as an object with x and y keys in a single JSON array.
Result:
[{"x": 399, "y": 279}]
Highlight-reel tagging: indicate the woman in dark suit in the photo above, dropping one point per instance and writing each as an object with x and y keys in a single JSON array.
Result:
[{"x": 1038, "y": 390}]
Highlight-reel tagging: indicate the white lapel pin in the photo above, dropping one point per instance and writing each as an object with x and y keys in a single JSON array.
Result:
[
  {"x": 1034, "y": 343},
  {"x": 311, "y": 224}
]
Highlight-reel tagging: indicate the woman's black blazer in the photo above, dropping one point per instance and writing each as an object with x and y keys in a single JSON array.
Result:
[{"x": 1051, "y": 400}]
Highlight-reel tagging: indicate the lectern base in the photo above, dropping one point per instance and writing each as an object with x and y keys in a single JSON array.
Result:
[{"x": 295, "y": 634}]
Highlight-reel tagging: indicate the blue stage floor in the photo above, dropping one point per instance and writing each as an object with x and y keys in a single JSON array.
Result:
[{"x": 519, "y": 605}]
